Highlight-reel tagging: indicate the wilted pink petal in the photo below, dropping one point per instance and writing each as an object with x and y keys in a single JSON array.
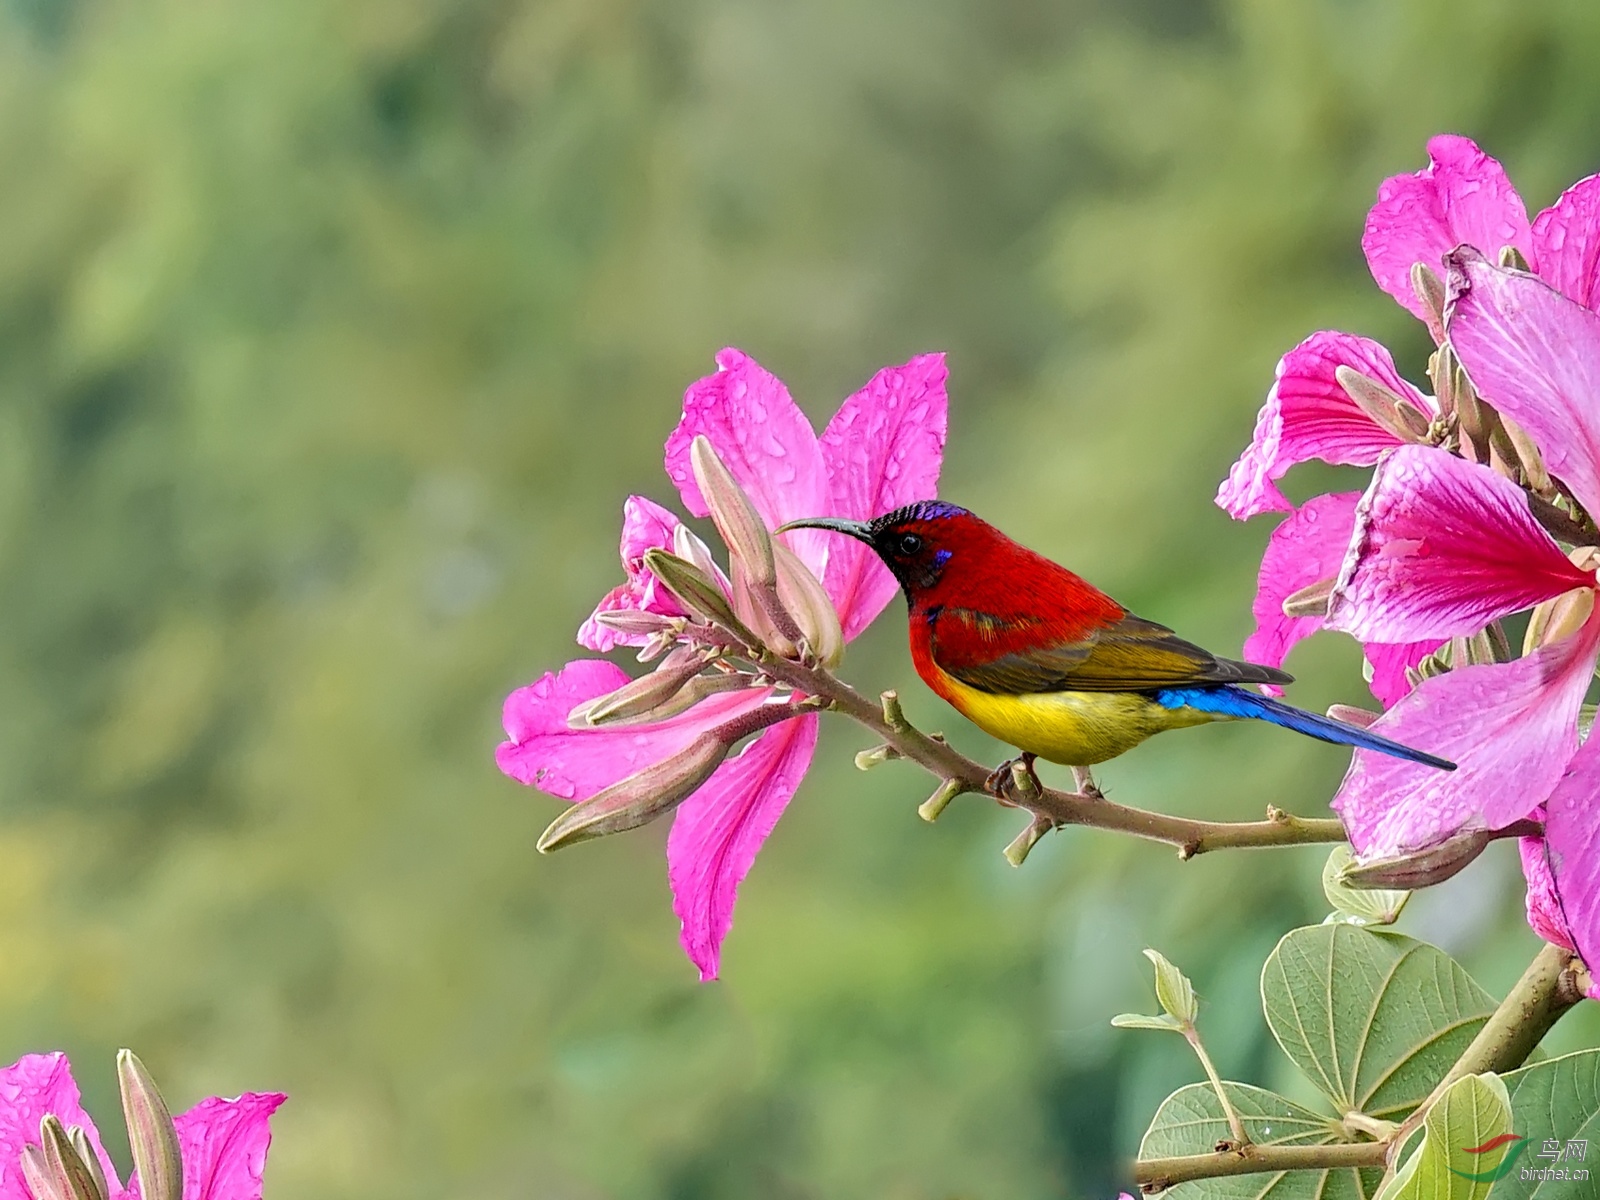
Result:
[
  {"x": 1510, "y": 728},
  {"x": 1566, "y": 243},
  {"x": 1389, "y": 662},
  {"x": 883, "y": 449},
  {"x": 1442, "y": 547},
  {"x": 719, "y": 829},
  {"x": 1309, "y": 415},
  {"x": 766, "y": 442},
  {"x": 645, "y": 526},
  {"x": 1462, "y": 195},
  {"x": 544, "y": 752},
  {"x": 1572, "y": 840},
  {"x": 224, "y": 1146},
  {"x": 31, "y": 1088},
  {"x": 1535, "y": 356}
]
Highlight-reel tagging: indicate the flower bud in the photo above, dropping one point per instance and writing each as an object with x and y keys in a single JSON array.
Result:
[
  {"x": 151, "y": 1133},
  {"x": 36, "y": 1174},
  {"x": 87, "y": 1156},
  {"x": 1361, "y": 718},
  {"x": 758, "y": 606},
  {"x": 736, "y": 518},
  {"x": 1529, "y": 459},
  {"x": 1309, "y": 601},
  {"x": 697, "y": 592},
  {"x": 1555, "y": 619},
  {"x": 65, "y": 1171},
  {"x": 1442, "y": 370},
  {"x": 1422, "y": 869},
  {"x": 1385, "y": 407},
  {"x": 1430, "y": 290},
  {"x": 641, "y": 797},
  {"x": 804, "y": 596},
  {"x": 641, "y": 695},
  {"x": 635, "y": 623},
  {"x": 1511, "y": 259}
]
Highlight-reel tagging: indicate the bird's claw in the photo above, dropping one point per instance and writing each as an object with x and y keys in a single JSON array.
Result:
[{"x": 1002, "y": 780}]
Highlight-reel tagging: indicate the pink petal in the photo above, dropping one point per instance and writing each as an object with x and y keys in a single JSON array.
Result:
[
  {"x": 645, "y": 526},
  {"x": 1441, "y": 548},
  {"x": 224, "y": 1146},
  {"x": 1511, "y": 728},
  {"x": 1305, "y": 549},
  {"x": 1566, "y": 243},
  {"x": 1534, "y": 355},
  {"x": 1389, "y": 662},
  {"x": 544, "y": 752},
  {"x": 1462, "y": 195},
  {"x": 883, "y": 449},
  {"x": 719, "y": 829},
  {"x": 30, "y": 1089},
  {"x": 767, "y": 443},
  {"x": 1308, "y": 415},
  {"x": 1571, "y": 905}
]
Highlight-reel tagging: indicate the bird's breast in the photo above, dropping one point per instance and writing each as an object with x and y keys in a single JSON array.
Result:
[{"x": 1073, "y": 728}]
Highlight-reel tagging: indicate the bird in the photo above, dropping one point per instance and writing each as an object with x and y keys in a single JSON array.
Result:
[{"x": 1042, "y": 660}]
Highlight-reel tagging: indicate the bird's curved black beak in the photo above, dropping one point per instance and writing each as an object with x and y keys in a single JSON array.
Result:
[{"x": 860, "y": 530}]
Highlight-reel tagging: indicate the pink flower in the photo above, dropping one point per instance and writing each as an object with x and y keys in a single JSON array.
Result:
[
  {"x": 1444, "y": 547},
  {"x": 645, "y": 524},
  {"x": 881, "y": 450},
  {"x": 223, "y": 1142}
]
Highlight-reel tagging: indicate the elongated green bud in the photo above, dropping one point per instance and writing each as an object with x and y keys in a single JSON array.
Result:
[
  {"x": 697, "y": 592},
  {"x": 633, "y": 622},
  {"x": 36, "y": 1173},
  {"x": 69, "y": 1176},
  {"x": 1422, "y": 869},
  {"x": 1430, "y": 290},
  {"x": 1309, "y": 601},
  {"x": 803, "y": 595},
  {"x": 151, "y": 1133},
  {"x": 87, "y": 1156},
  {"x": 639, "y": 696},
  {"x": 640, "y": 798},
  {"x": 741, "y": 527},
  {"x": 1386, "y": 408}
]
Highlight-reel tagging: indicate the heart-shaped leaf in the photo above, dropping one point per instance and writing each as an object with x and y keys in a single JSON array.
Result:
[
  {"x": 1555, "y": 1104},
  {"x": 1191, "y": 1121},
  {"x": 1373, "y": 1019}
]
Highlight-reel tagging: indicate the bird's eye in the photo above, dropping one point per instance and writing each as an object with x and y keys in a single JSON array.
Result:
[{"x": 910, "y": 543}]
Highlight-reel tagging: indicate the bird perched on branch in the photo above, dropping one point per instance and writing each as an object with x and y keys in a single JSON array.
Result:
[{"x": 1042, "y": 660}]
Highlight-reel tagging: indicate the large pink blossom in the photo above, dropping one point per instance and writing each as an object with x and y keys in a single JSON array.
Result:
[
  {"x": 881, "y": 450},
  {"x": 1443, "y": 547},
  {"x": 223, "y": 1142},
  {"x": 1462, "y": 196}
]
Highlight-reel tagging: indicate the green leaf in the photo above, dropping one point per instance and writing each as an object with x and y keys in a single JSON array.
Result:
[
  {"x": 1140, "y": 1021},
  {"x": 1358, "y": 906},
  {"x": 1373, "y": 1019},
  {"x": 1173, "y": 989},
  {"x": 1472, "y": 1112},
  {"x": 1557, "y": 1100},
  {"x": 1191, "y": 1121}
]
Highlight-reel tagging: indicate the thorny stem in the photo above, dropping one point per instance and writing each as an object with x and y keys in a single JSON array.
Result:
[{"x": 1546, "y": 990}]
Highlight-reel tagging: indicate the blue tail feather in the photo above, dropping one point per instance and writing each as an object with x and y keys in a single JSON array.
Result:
[{"x": 1232, "y": 701}]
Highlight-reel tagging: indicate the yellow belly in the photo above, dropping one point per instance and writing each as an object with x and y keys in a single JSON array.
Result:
[{"x": 1076, "y": 729}]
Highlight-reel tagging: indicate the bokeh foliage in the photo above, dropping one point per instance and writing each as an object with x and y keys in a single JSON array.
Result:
[{"x": 332, "y": 334}]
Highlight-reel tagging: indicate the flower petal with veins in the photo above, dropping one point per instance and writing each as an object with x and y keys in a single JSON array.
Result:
[
  {"x": 1461, "y": 196},
  {"x": 1535, "y": 356},
  {"x": 30, "y": 1088},
  {"x": 1566, "y": 243},
  {"x": 1441, "y": 548},
  {"x": 719, "y": 830},
  {"x": 543, "y": 751},
  {"x": 1308, "y": 414},
  {"x": 1511, "y": 728},
  {"x": 1572, "y": 842},
  {"x": 224, "y": 1146},
  {"x": 883, "y": 449},
  {"x": 645, "y": 526}
]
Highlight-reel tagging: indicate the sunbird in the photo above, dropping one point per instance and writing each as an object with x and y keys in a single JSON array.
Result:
[{"x": 1042, "y": 660}]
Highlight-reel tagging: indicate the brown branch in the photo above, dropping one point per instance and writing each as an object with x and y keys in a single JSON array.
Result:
[
  {"x": 1191, "y": 837},
  {"x": 1157, "y": 1174}
]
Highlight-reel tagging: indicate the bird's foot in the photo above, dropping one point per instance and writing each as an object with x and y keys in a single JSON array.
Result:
[
  {"x": 1001, "y": 779},
  {"x": 1085, "y": 784}
]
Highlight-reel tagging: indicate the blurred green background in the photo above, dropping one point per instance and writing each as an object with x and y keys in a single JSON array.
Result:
[{"x": 333, "y": 334}]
